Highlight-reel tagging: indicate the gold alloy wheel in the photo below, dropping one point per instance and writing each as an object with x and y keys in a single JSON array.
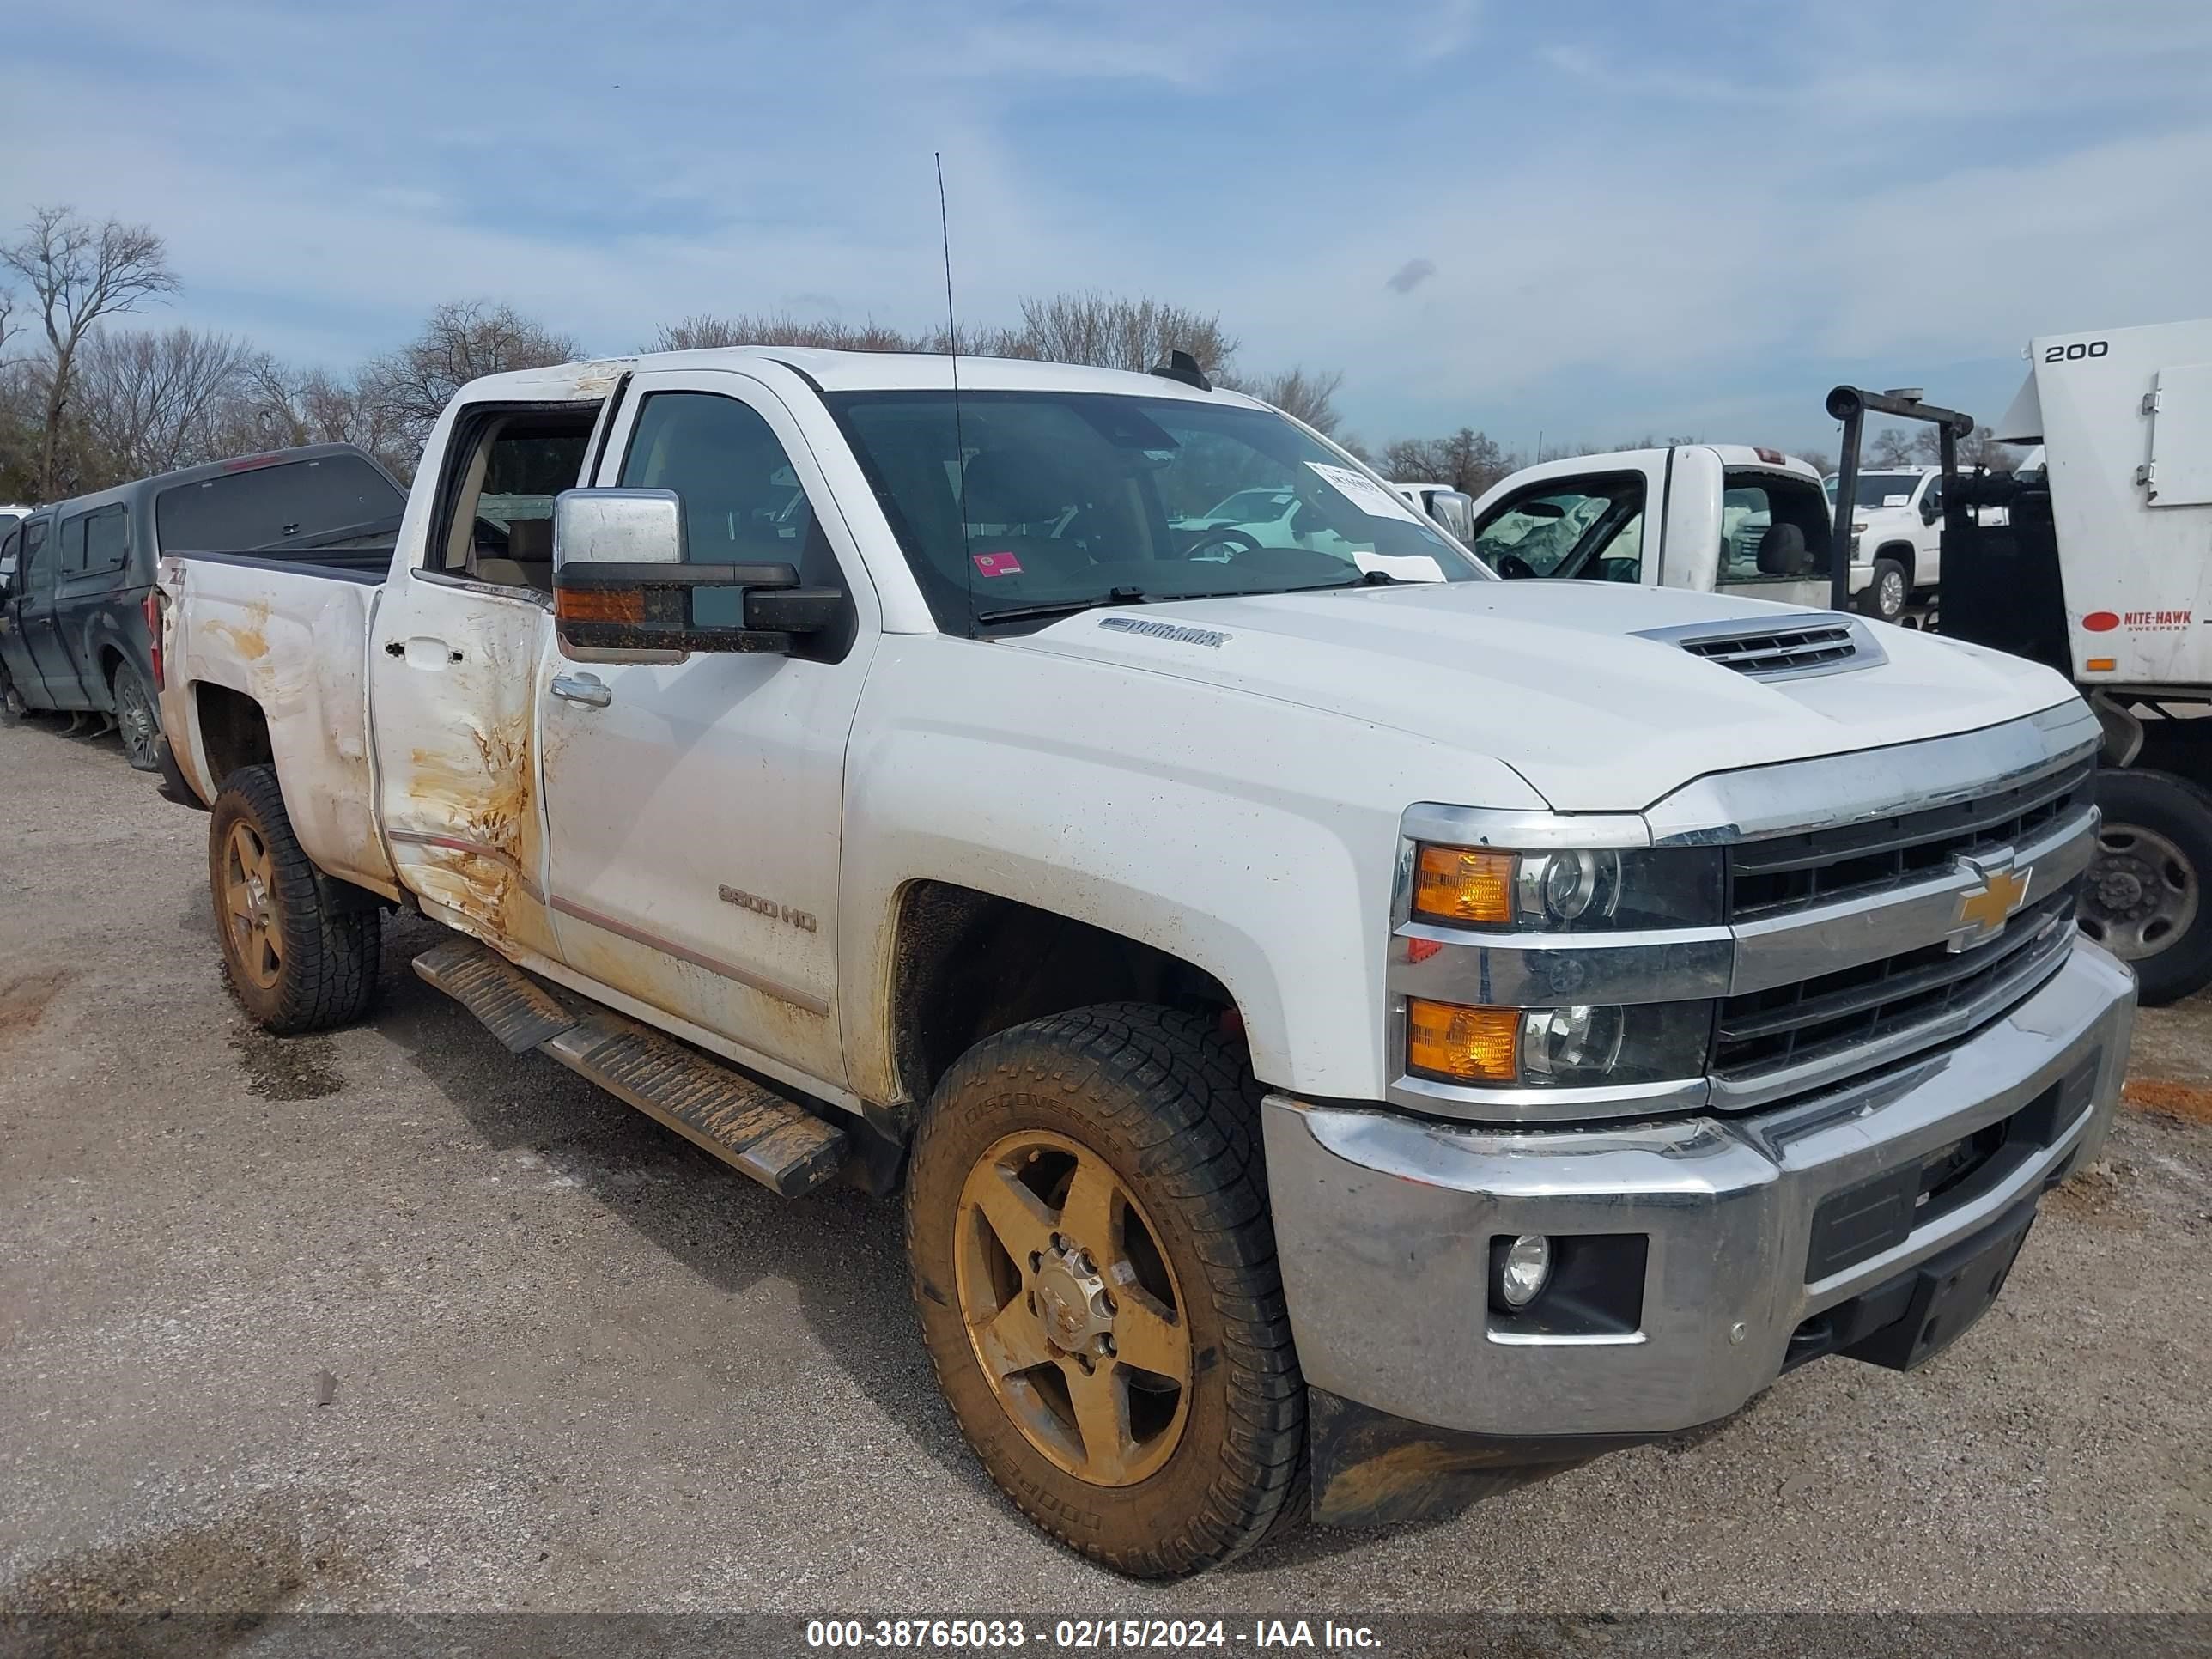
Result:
[
  {"x": 249, "y": 902},
  {"x": 1072, "y": 1309}
]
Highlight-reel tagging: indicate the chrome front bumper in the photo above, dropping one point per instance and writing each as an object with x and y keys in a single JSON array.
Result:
[{"x": 1385, "y": 1222}]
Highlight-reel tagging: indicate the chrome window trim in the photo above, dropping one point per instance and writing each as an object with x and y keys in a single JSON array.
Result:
[{"x": 1800, "y": 944}]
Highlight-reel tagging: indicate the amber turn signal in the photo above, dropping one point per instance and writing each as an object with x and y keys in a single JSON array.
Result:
[
  {"x": 1461, "y": 885},
  {"x": 1462, "y": 1045},
  {"x": 600, "y": 605}
]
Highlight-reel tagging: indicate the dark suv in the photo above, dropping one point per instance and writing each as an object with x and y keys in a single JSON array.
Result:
[{"x": 77, "y": 579}]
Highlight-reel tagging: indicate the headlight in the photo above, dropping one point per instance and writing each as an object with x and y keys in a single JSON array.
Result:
[
  {"x": 1855, "y": 557},
  {"x": 1575, "y": 890},
  {"x": 1568, "y": 1047}
]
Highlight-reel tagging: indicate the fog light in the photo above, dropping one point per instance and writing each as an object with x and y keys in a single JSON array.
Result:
[{"x": 1528, "y": 1265}]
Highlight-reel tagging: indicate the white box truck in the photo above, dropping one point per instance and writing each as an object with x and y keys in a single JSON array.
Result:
[{"x": 2104, "y": 572}]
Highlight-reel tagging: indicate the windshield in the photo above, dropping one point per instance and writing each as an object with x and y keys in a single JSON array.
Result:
[
  {"x": 1076, "y": 498},
  {"x": 1875, "y": 488}
]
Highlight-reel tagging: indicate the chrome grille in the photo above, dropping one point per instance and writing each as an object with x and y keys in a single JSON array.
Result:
[
  {"x": 1877, "y": 1005},
  {"x": 1768, "y": 877}
]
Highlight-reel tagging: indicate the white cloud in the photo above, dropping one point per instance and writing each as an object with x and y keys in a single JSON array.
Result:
[{"x": 1665, "y": 210}]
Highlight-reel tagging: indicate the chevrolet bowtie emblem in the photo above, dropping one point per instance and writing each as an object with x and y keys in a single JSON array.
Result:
[{"x": 1983, "y": 910}]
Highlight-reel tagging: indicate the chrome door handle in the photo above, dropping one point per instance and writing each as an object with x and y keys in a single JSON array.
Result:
[{"x": 589, "y": 690}]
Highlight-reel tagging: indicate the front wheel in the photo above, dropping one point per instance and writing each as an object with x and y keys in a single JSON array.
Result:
[
  {"x": 295, "y": 966},
  {"x": 139, "y": 727},
  {"x": 1886, "y": 594},
  {"x": 2144, "y": 898},
  {"x": 1094, "y": 1264}
]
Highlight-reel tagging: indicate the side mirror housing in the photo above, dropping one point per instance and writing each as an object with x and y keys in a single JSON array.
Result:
[{"x": 620, "y": 583}]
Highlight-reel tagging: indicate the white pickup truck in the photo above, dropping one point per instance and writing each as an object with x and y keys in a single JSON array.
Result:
[{"x": 1353, "y": 1034}]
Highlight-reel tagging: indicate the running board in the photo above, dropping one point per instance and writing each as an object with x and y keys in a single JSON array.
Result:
[{"x": 786, "y": 1149}]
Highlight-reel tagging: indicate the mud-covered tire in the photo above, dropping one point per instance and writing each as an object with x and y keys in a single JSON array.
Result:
[
  {"x": 1170, "y": 1107},
  {"x": 137, "y": 722},
  {"x": 325, "y": 972},
  {"x": 2148, "y": 898}
]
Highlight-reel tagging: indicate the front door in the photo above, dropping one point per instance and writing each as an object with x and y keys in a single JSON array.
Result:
[
  {"x": 693, "y": 808},
  {"x": 15, "y": 572},
  {"x": 457, "y": 645},
  {"x": 1587, "y": 527}
]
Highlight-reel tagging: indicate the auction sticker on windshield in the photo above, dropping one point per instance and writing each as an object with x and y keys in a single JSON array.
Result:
[{"x": 1363, "y": 492}]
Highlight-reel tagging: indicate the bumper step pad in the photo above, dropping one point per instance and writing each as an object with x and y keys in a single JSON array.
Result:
[{"x": 786, "y": 1149}]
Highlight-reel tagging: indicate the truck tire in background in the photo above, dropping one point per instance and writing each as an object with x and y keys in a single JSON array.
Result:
[
  {"x": 1887, "y": 593},
  {"x": 2145, "y": 900},
  {"x": 1094, "y": 1264},
  {"x": 136, "y": 722},
  {"x": 295, "y": 967}
]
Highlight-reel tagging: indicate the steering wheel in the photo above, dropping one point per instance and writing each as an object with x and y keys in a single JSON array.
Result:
[
  {"x": 1515, "y": 568},
  {"x": 1234, "y": 541}
]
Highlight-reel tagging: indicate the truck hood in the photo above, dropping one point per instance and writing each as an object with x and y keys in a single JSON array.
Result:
[{"x": 1557, "y": 680}]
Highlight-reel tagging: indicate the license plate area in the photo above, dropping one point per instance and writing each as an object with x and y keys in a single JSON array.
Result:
[{"x": 1945, "y": 1295}]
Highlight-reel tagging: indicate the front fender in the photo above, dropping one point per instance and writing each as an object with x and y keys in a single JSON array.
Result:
[{"x": 1255, "y": 839}]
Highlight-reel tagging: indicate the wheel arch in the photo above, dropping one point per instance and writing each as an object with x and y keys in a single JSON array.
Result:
[{"x": 965, "y": 963}]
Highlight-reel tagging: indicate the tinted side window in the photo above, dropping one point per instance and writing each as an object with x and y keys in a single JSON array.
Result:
[
  {"x": 106, "y": 539},
  {"x": 304, "y": 503},
  {"x": 71, "y": 562},
  {"x": 743, "y": 500}
]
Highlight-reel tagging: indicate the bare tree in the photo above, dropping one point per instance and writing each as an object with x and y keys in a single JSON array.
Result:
[
  {"x": 1307, "y": 394},
  {"x": 1467, "y": 460},
  {"x": 1819, "y": 460},
  {"x": 79, "y": 273},
  {"x": 1110, "y": 332},
  {"x": 461, "y": 341},
  {"x": 148, "y": 402},
  {"x": 1892, "y": 447},
  {"x": 780, "y": 328}
]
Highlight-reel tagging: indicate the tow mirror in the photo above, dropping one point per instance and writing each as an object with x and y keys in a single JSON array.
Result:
[{"x": 620, "y": 583}]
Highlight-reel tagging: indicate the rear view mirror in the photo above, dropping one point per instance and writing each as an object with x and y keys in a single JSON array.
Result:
[{"x": 620, "y": 583}]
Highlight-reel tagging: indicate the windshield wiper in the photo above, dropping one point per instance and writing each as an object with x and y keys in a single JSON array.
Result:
[{"x": 1066, "y": 607}]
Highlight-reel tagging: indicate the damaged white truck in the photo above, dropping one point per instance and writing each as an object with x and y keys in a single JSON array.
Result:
[{"x": 1352, "y": 1033}]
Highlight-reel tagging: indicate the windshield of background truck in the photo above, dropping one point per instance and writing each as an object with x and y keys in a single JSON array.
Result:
[
  {"x": 300, "y": 503},
  {"x": 1073, "y": 497},
  {"x": 1875, "y": 488}
]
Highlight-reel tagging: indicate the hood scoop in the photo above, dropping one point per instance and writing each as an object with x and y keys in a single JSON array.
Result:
[{"x": 1793, "y": 648}]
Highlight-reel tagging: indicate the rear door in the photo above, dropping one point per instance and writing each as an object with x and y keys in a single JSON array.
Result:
[
  {"x": 96, "y": 605},
  {"x": 15, "y": 575},
  {"x": 456, "y": 645},
  {"x": 59, "y": 567}
]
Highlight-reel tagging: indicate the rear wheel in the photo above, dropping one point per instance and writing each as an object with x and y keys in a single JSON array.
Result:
[
  {"x": 295, "y": 966},
  {"x": 1095, "y": 1267},
  {"x": 2145, "y": 899},
  {"x": 139, "y": 727}
]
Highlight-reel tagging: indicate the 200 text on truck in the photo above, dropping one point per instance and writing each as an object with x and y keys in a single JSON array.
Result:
[{"x": 1320, "y": 1001}]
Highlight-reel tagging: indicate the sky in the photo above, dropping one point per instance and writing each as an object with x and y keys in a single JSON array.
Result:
[{"x": 1589, "y": 221}]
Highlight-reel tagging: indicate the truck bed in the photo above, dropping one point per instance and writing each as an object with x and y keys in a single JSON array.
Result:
[
  {"x": 288, "y": 636},
  {"x": 365, "y": 565}
]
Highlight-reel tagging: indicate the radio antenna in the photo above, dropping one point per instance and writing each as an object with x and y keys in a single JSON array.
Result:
[{"x": 959, "y": 435}]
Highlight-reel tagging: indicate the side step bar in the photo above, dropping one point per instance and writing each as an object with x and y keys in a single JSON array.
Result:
[{"x": 788, "y": 1149}]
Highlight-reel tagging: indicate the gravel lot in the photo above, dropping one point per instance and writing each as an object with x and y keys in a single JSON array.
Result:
[{"x": 387, "y": 1319}]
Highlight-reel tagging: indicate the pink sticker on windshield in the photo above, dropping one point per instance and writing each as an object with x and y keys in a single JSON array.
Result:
[{"x": 996, "y": 565}]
